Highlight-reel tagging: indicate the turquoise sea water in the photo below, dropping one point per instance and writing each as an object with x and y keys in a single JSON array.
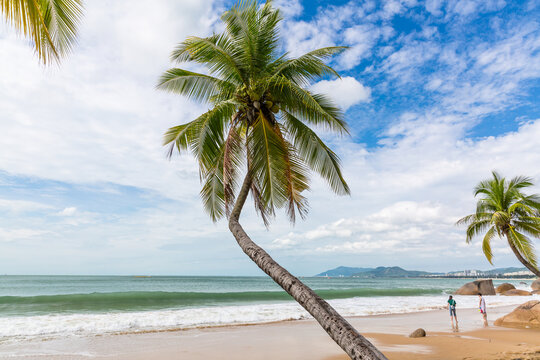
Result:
[
  {"x": 82, "y": 305},
  {"x": 39, "y": 295}
]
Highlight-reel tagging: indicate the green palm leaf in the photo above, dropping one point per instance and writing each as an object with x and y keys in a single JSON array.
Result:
[
  {"x": 308, "y": 67},
  {"x": 198, "y": 87},
  {"x": 267, "y": 155},
  {"x": 524, "y": 246},
  {"x": 486, "y": 244},
  {"x": 314, "y": 109},
  {"x": 508, "y": 212},
  {"x": 51, "y": 24},
  {"x": 316, "y": 154},
  {"x": 216, "y": 52}
]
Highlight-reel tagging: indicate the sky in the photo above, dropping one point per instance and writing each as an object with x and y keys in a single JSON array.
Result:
[{"x": 437, "y": 94}]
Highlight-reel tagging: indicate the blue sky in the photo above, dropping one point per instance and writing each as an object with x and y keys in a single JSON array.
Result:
[{"x": 437, "y": 93}]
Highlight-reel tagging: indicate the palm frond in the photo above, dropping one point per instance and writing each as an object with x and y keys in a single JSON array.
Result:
[
  {"x": 232, "y": 162},
  {"x": 216, "y": 52},
  {"x": 204, "y": 135},
  {"x": 51, "y": 24},
  {"x": 213, "y": 192},
  {"x": 476, "y": 228},
  {"x": 211, "y": 134},
  {"x": 195, "y": 86},
  {"x": 520, "y": 182},
  {"x": 523, "y": 245},
  {"x": 267, "y": 163},
  {"x": 314, "y": 152},
  {"x": 486, "y": 244},
  {"x": 296, "y": 176},
  {"x": 466, "y": 220},
  {"x": 529, "y": 225},
  {"x": 311, "y": 108},
  {"x": 308, "y": 67},
  {"x": 241, "y": 26}
]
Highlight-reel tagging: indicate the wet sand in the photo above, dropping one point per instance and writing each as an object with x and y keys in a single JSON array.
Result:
[{"x": 300, "y": 340}]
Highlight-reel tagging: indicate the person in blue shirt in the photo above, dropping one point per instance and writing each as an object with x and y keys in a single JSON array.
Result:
[{"x": 452, "y": 307}]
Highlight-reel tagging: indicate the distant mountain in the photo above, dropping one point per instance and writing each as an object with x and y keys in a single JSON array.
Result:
[
  {"x": 381, "y": 271},
  {"x": 394, "y": 271},
  {"x": 344, "y": 271}
]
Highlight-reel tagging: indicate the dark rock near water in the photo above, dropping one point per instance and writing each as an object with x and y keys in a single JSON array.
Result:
[
  {"x": 484, "y": 287},
  {"x": 535, "y": 284},
  {"x": 525, "y": 315},
  {"x": 504, "y": 287},
  {"x": 418, "y": 333}
]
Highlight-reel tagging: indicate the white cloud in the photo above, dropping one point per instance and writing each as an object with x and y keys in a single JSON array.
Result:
[
  {"x": 8, "y": 235},
  {"x": 101, "y": 121},
  {"x": 105, "y": 121},
  {"x": 69, "y": 211},
  {"x": 346, "y": 91},
  {"x": 22, "y": 205},
  {"x": 289, "y": 8}
]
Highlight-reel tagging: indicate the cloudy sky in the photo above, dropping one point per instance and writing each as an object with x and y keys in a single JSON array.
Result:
[{"x": 437, "y": 94}]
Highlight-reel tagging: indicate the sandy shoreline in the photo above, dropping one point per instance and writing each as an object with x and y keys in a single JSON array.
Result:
[{"x": 302, "y": 339}]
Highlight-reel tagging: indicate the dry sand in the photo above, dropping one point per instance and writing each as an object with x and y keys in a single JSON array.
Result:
[{"x": 300, "y": 340}]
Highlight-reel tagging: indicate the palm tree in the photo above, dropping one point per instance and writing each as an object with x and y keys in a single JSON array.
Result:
[
  {"x": 504, "y": 210},
  {"x": 51, "y": 24},
  {"x": 258, "y": 128}
]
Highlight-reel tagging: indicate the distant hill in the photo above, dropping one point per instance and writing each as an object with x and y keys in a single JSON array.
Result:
[
  {"x": 344, "y": 271},
  {"x": 396, "y": 271},
  {"x": 381, "y": 271}
]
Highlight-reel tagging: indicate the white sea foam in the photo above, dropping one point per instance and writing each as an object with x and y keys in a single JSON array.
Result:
[{"x": 21, "y": 328}]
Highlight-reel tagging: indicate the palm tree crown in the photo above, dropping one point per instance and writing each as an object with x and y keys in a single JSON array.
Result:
[
  {"x": 51, "y": 24},
  {"x": 259, "y": 117},
  {"x": 504, "y": 210}
]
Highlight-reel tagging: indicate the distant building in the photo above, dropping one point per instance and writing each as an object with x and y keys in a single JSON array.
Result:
[{"x": 519, "y": 273}]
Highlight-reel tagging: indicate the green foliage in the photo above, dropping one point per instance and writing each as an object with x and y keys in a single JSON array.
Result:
[
  {"x": 259, "y": 117},
  {"x": 51, "y": 24},
  {"x": 505, "y": 210}
]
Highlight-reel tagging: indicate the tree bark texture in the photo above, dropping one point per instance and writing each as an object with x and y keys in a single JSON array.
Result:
[
  {"x": 339, "y": 329},
  {"x": 521, "y": 259}
]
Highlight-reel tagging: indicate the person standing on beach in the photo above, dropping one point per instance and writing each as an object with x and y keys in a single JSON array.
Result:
[
  {"x": 452, "y": 307},
  {"x": 482, "y": 306}
]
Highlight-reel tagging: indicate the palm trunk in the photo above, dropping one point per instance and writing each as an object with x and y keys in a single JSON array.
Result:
[
  {"x": 350, "y": 340},
  {"x": 521, "y": 259}
]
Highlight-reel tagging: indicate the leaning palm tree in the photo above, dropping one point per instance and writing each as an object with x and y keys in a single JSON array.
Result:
[
  {"x": 258, "y": 129},
  {"x": 51, "y": 24},
  {"x": 504, "y": 210}
]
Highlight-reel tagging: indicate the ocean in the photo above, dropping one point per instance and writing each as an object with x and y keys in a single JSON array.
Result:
[{"x": 61, "y": 306}]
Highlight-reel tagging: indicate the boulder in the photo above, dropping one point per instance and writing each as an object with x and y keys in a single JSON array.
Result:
[
  {"x": 418, "y": 333},
  {"x": 516, "y": 292},
  {"x": 484, "y": 287},
  {"x": 535, "y": 292},
  {"x": 525, "y": 315},
  {"x": 535, "y": 284},
  {"x": 504, "y": 287}
]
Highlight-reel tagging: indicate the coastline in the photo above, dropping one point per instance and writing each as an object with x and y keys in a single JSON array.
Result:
[{"x": 298, "y": 339}]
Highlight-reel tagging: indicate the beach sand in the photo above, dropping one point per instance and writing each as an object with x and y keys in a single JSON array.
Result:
[{"x": 300, "y": 340}]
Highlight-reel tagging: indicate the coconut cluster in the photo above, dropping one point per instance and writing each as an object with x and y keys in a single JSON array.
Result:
[{"x": 252, "y": 97}]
